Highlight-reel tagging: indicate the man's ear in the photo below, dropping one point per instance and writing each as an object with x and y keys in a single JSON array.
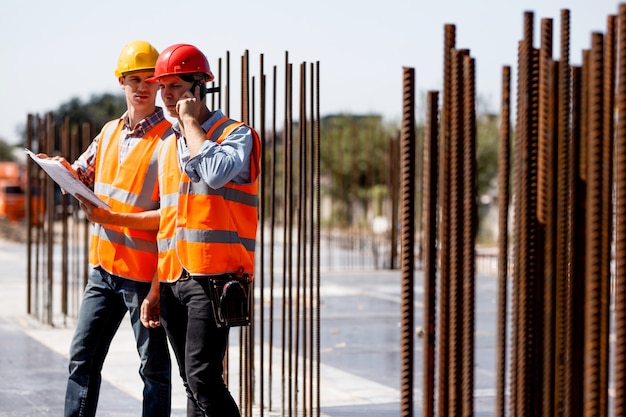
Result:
[{"x": 121, "y": 81}]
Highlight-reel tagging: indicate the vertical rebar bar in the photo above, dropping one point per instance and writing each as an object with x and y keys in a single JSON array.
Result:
[
  {"x": 263, "y": 203},
  {"x": 546, "y": 204},
  {"x": 563, "y": 224},
  {"x": 444, "y": 289},
  {"x": 317, "y": 138},
  {"x": 29, "y": 215},
  {"x": 455, "y": 234},
  {"x": 273, "y": 215},
  {"x": 527, "y": 264},
  {"x": 504, "y": 167},
  {"x": 407, "y": 166},
  {"x": 620, "y": 223},
  {"x": 574, "y": 264},
  {"x": 468, "y": 232},
  {"x": 429, "y": 256},
  {"x": 48, "y": 293},
  {"x": 596, "y": 302}
]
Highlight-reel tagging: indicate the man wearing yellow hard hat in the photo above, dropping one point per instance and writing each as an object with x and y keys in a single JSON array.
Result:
[{"x": 121, "y": 166}]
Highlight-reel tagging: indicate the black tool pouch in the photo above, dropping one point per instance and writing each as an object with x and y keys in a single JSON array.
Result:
[{"x": 230, "y": 300}]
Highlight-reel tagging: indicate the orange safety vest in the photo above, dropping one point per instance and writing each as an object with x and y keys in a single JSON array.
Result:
[
  {"x": 204, "y": 230},
  {"x": 129, "y": 187}
]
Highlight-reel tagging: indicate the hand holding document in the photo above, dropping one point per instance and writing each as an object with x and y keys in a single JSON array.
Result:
[{"x": 68, "y": 182}]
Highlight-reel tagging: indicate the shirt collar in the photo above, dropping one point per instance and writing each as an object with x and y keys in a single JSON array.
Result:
[{"x": 145, "y": 124}]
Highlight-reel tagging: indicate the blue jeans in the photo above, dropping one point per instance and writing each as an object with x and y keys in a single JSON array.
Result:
[
  {"x": 106, "y": 300},
  {"x": 199, "y": 346}
]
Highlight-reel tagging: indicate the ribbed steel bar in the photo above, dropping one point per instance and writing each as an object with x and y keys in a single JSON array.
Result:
[
  {"x": 444, "y": 213},
  {"x": 517, "y": 373},
  {"x": 272, "y": 221},
  {"x": 263, "y": 205},
  {"x": 29, "y": 214},
  {"x": 286, "y": 177},
  {"x": 596, "y": 302},
  {"x": 574, "y": 264},
  {"x": 39, "y": 258},
  {"x": 64, "y": 133},
  {"x": 312, "y": 237},
  {"x": 78, "y": 224},
  {"x": 620, "y": 224},
  {"x": 300, "y": 282},
  {"x": 407, "y": 166},
  {"x": 87, "y": 135},
  {"x": 287, "y": 334},
  {"x": 316, "y": 271},
  {"x": 468, "y": 232},
  {"x": 579, "y": 245},
  {"x": 584, "y": 121},
  {"x": 529, "y": 269},
  {"x": 536, "y": 259},
  {"x": 608, "y": 130},
  {"x": 307, "y": 241},
  {"x": 225, "y": 88},
  {"x": 456, "y": 150},
  {"x": 504, "y": 167},
  {"x": 546, "y": 205},
  {"x": 48, "y": 289},
  {"x": 429, "y": 256},
  {"x": 519, "y": 265},
  {"x": 246, "y": 342},
  {"x": 563, "y": 226},
  {"x": 544, "y": 190}
]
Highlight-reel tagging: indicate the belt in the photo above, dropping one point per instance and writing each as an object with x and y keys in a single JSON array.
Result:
[{"x": 185, "y": 276}]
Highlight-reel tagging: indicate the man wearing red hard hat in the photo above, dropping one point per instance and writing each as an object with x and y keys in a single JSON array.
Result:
[{"x": 208, "y": 172}]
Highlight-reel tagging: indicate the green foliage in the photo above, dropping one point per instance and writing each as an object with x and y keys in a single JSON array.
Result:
[
  {"x": 487, "y": 135},
  {"x": 487, "y": 154},
  {"x": 357, "y": 163},
  {"x": 97, "y": 111},
  {"x": 94, "y": 113},
  {"x": 354, "y": 160},
  {"x": 6, "y": 151}
]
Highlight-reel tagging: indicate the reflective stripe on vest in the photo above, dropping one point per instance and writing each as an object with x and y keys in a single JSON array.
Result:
[
  {"x": 128, "y": 187},
  {"x": 215, "y": 229},
  {"x": 170, "y": 268}
]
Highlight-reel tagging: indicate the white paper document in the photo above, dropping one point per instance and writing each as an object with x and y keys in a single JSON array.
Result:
[{"x": 68, "y": 182}]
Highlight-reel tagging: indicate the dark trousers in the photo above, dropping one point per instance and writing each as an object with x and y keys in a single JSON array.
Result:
[
  {"x": 199, "y": 346},
  {"x": 105, "y": 302}
]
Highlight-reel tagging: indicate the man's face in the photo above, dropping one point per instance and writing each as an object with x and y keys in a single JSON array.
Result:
[
  {"x": 172, "y": 87},
  {"x": 139, "y": 93}
]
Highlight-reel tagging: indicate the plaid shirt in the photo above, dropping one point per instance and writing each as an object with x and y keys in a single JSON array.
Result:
[{"x": 85, "y": 165}]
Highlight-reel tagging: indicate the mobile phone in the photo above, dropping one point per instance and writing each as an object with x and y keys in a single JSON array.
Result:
[{"x": 193, "y": 87}]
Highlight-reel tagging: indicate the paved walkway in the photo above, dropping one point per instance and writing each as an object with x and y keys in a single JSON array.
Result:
[
  {"x": 33, "y": 356},
  {"x": 360, "y": 350}
]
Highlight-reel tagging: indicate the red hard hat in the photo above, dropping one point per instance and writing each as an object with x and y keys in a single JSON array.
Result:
[{"x": 181, "y": 59}]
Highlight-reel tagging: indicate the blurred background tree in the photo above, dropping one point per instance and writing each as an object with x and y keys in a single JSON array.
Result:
[
  {"x": 97, "y": 111},
  {"x": 6, "y": 151}
]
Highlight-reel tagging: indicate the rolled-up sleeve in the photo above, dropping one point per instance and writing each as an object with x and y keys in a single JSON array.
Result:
[
  {"x": 218, "y": 164},
  {"x": 85, "y": 165}
]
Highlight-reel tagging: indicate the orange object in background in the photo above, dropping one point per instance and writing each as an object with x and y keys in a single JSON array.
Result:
[
  {"x": 12, "y": 202},
  {"x": 12, "y": 197}
]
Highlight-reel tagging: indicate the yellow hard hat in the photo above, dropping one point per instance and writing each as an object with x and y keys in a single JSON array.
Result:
[{"x": 136, "y": 56}]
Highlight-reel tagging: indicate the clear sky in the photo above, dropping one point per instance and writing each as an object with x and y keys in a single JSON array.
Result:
[{"x": 53, "y": 51}]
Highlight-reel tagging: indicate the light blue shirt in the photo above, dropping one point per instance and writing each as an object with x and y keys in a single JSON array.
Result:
[{"x": 218, "y": 164}]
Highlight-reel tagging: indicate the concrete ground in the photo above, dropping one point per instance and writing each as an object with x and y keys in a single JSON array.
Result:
[{"x": 359, "y": 349}]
